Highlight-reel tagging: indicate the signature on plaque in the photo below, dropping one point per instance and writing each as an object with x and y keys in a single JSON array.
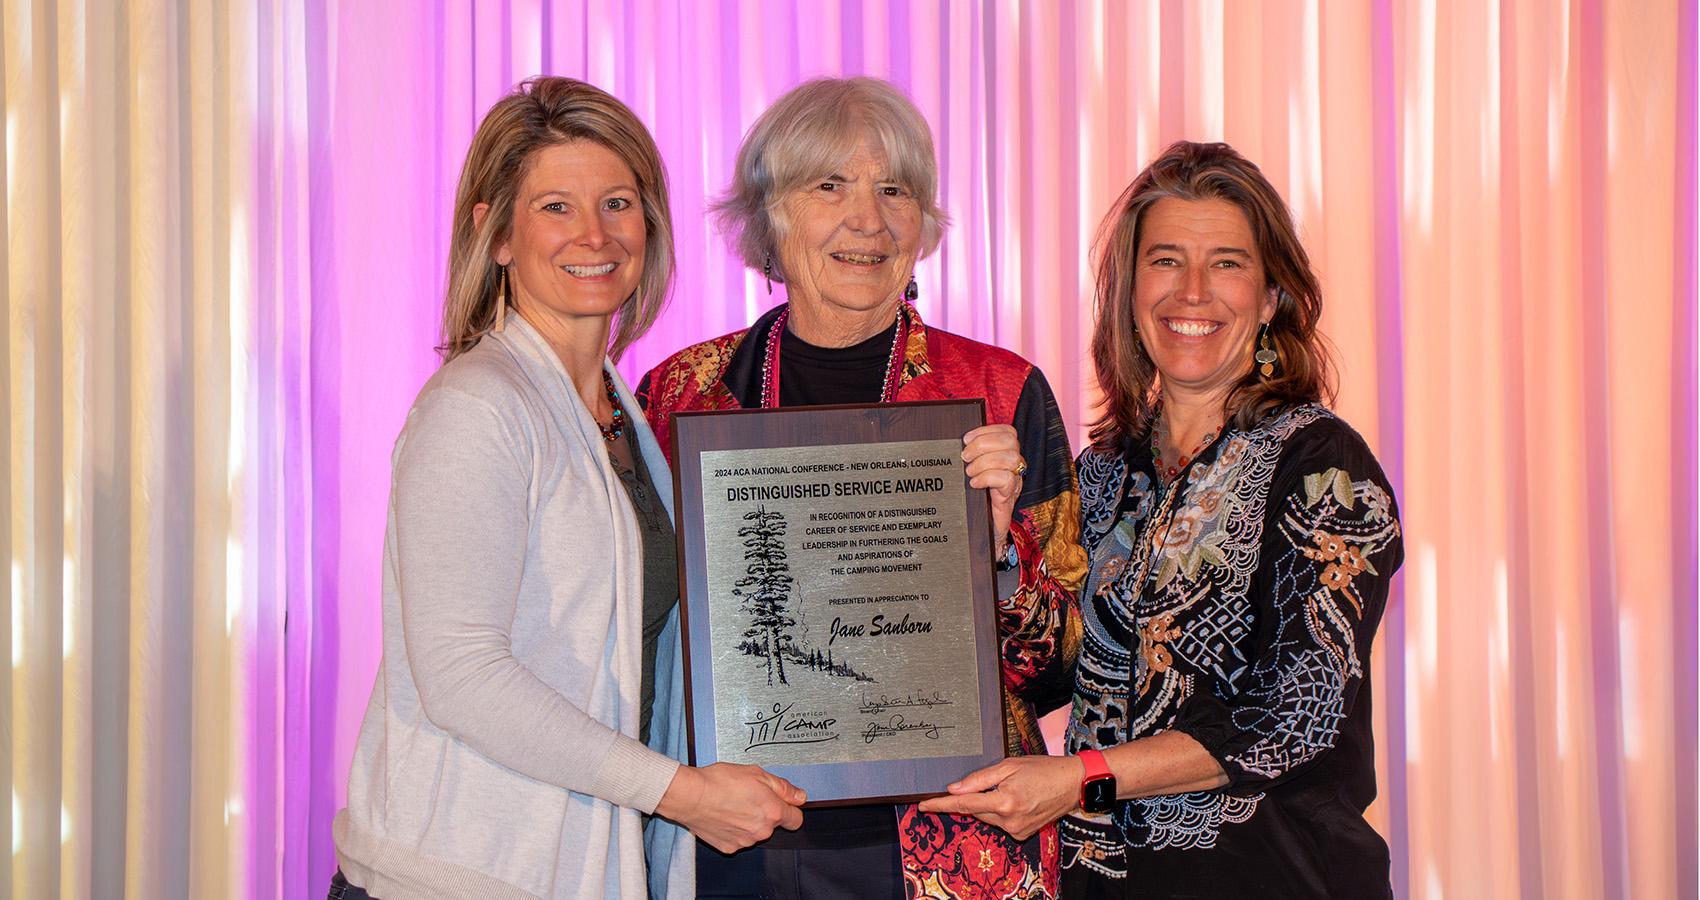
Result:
[
  {"x": 872, "y": 706},
  {"x": 899, "y": 724}
]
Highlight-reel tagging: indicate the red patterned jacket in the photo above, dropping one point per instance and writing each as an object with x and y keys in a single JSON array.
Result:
[{"x": 953, "y": 857}]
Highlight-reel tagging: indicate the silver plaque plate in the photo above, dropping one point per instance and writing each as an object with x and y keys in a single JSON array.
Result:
[{"x": 840, "y": 614}]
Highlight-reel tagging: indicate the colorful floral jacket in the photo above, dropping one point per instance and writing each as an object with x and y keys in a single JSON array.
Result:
[
  {"x": 951, "y": 857},
  {"x": 1269, "y": 562}
]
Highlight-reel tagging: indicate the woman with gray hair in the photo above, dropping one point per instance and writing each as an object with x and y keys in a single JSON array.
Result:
[{"x": 836, "y": 197}]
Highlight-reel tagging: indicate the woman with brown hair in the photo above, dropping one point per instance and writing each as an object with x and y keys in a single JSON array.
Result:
[
  {"x": 527, "y": 718},
  {"x": 1241, "y": 541}
]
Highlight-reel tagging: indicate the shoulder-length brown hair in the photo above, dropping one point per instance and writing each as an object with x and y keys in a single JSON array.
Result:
[
  {"x": 539, "y": 113},
  {"x": 1129, "y": 379}
]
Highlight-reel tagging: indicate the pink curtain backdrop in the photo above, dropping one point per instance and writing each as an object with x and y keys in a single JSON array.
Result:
[
  {"x": 1487, "y": 189},
  {"x": 1500, "y": 197}
]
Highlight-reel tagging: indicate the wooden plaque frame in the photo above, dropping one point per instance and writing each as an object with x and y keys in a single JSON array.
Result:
[{"x": 891, "y": 780}]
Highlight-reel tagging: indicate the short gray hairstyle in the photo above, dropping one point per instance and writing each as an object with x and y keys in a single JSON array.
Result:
[{"x": 808, "y": 134}]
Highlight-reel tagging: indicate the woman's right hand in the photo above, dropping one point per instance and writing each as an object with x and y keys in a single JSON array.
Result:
[{"x": 730, "y": 806}]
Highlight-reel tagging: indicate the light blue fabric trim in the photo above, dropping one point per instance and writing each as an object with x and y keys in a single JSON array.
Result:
[{"x": 669, "y": 850}]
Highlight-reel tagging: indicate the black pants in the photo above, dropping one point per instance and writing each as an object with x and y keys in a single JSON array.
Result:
[
  {"x": 760, "y": 873},
  {"x": 342, "y": 890}
]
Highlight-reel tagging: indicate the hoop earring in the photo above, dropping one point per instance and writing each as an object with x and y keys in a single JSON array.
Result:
[
  {"x": 501, "y": 302},
  {"x": 767, "y": 273},
  {"x": 1266, "y": 357},
  {"x": 911, "y": 292}
]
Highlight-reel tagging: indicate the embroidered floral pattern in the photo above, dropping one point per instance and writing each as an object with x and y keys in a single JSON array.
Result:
[
  {"x": 1152, "y": 635},
  {"x": 1200, "y": 628},
  {"x": 1303, "y": 684}
]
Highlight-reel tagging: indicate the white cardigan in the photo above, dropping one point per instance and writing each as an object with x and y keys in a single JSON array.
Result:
[{"x": 498, "y": 756}]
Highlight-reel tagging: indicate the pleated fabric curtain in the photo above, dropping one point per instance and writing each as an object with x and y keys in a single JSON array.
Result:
[
  {"x": 227, "y": 228},
  {"x": 156, "y": 346}
]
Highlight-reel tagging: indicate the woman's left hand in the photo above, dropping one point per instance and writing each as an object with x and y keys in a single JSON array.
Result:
[
  {"x": 1021, "y": 795},
  {"x": 993, "y": 455}
]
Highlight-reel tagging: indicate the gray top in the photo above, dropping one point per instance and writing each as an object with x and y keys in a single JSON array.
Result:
[{"x": 660, "y": 560}]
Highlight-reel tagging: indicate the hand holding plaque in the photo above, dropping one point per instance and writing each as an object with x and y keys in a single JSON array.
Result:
[
  {"x": 730, "y": 807},
  {"x": 838, "y": 596},
  {"x": 993, "y": 459}
]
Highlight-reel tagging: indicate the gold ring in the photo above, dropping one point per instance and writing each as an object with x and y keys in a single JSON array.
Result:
[{"x": 1021, "y": 468}]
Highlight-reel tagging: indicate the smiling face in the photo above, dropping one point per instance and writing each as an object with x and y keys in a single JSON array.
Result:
[
  {"x": 1199, "y": 295},
  {"x": 576, "y": 246},
  {"x": 849, "y": 246}
]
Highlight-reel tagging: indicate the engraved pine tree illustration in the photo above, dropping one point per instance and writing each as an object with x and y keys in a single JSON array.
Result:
[{"x": 766, "y": 587}]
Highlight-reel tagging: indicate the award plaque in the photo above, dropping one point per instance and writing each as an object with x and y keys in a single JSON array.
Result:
[{"x": 838, "y": 597}]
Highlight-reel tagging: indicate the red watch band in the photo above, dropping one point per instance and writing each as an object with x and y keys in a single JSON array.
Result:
[{"x": 1096, "y": 768}]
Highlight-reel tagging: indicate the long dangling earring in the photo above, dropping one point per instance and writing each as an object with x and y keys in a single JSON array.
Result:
[
  {"x": 1266, "y": 357},
  {"x": 767, "y": 273},
  {"x": 911, "y": 292},
  {"x": 501, "y": 302}
]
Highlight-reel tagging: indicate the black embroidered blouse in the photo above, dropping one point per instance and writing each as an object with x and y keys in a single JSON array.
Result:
[{"x": 1268, "y": 571}]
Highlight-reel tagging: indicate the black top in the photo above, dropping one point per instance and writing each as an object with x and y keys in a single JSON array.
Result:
[
  {"x": 1267, "y": 565},
  {"x": 822, "y": 376},
  {"x": 660, "y": 560}
]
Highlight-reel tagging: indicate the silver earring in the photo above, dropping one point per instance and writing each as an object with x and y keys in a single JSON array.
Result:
[
  {"x": 767, "y": 273},
  {"x": 501, "y": 301}
]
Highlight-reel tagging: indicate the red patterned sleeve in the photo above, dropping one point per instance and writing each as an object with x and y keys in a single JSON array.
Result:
[{"x": 1039, "y": 621}]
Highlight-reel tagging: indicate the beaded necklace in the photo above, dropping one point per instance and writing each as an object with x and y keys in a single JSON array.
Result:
[
  {"x": 617, "y": 422},
  {"x": 1169, "y": 473},
  {"x": 770, "y": 366}
]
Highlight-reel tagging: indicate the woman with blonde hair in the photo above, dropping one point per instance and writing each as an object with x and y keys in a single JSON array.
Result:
[{"x": 524, "y": 735}]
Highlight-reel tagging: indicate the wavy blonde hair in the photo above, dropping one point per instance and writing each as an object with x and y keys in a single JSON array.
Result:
[
  {"x": 1126, "y": 374},
  {"x": 543, "y": 112}
]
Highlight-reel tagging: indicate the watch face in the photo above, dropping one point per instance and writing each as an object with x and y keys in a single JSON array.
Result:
[{"x": 1099, "y": 795}]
